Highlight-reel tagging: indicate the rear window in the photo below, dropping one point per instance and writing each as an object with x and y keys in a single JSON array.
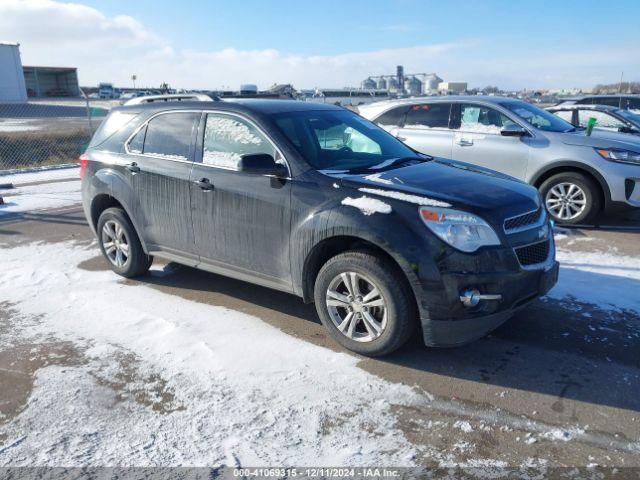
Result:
[{"x": 112, "y": 124}]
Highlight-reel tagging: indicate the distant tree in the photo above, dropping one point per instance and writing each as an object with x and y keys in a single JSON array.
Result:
[
  {"x": 491, "y": 89},
  {"x": 164, "y": 87},
  {"x": 625, "y": 87}
]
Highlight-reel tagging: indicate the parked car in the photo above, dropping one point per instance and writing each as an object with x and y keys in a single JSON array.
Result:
[
  {"x": 627, "y": 102},
  {"x": 313, "y": 200},
  {"x": 576, "y": 174},
  {"x": 608, "y": 118}
]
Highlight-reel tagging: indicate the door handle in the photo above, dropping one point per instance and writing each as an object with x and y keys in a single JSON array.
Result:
[
  {"x": 204, "y": 184},
  {"x": 463, "y": 142},
  {"x": 133, "y": 167}
]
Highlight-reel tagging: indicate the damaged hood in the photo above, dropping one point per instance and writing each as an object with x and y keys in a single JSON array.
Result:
[{"x": 463, "y": 186}]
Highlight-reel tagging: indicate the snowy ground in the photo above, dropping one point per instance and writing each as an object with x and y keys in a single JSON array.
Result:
[
  {"x": 188, "y": 368},
  {"x": 40, "y": 190}
]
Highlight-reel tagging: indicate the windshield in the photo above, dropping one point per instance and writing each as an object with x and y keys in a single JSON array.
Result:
[
  {"x": 340, "y": 140},
  {"x": 538, "y": 118},
  {"x": 630, "y": 115}
]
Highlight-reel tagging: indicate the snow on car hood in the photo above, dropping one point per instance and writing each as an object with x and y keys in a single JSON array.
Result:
[
  {"x": 601, "y": 139},
  {"x": 449, "y": 183}
]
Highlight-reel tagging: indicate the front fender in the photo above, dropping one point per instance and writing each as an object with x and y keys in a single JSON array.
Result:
[{"x": 388, "y": 232}]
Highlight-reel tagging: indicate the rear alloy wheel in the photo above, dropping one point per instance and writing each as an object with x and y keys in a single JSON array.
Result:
[
  {"x": 364, "y": 301},
  {"x": 571, "y": 198},
  {"x": 115, "y": 243},
  {"x": 120, "y": 244}
]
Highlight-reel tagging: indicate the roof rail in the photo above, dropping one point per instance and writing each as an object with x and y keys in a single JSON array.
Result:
[{"x": 179, "y": 97}]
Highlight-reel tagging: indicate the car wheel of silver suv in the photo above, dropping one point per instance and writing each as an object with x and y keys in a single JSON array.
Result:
[{"x": 571, "y": 198}]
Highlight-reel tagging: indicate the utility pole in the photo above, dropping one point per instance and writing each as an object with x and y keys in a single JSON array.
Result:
[
  {"x": 620, "y": 86},
  {"x": 133, "y": 79}
]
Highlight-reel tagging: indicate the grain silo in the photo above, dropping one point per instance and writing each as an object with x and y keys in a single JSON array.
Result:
[
  {"x": 369, "y": 84},
  {"x": 412, "y": 85}
]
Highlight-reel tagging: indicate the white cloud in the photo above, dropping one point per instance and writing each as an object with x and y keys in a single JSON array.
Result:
[{"x": 113, "y": 48}]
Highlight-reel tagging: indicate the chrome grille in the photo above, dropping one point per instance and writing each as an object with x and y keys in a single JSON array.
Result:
[
  {"x": 533, "y": 254},
  {"x": 523, "y": 221}
]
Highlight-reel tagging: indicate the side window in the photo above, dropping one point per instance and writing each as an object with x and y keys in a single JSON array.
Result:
[
  {"x": 634, "y": 104},
  {"x": 565, "y": 115},
  {"x": 168, "y": 135},
  {"x": 435, "y": 115},
  {"x": 480, "y": 119},
  {"x": 136, "y": 144},
  {"x": 227, "y": 138},
  {"x": 610, "y": 101},
  {"x": 603, "y": 120},
  {"x": 392, "y": 118}
]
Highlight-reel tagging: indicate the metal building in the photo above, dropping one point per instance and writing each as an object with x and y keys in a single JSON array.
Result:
[
  {"x": 412, "y": 85},
  {"x": 51, "y": 81},
  {"x": 431, "y": 82},
  {"x": 12, "y": 86},
  {"x": 369, "y": 84}
]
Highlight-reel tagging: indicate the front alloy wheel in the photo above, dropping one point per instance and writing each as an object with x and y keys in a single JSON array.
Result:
[
  {"x": 571, "y": 198},
  {"x": 566, "y": 201},
  {"x": 356, "y": 307},
  {"x": 365, "y": 302}
]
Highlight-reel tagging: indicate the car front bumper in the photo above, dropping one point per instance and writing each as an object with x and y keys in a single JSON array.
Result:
[{"x": 447, "y": 321}]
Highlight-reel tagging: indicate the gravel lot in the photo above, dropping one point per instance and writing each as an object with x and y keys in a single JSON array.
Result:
[{"x": 183, "y": 367}]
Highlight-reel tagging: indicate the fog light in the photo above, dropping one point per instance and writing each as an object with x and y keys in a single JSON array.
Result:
[{"x": 472, "y": 297}]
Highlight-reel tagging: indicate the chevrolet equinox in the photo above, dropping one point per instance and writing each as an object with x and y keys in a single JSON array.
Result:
[{"x": 316, "y": 201}]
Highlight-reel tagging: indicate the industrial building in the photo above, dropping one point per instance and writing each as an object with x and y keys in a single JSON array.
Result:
[
  {"x": 18, "y": 83},
  {"x": 402, "y": 83},
  {"x": 51, "y": 81},
  {"x": 452, "y": 87},
  {"x": 12, "y": 85}
]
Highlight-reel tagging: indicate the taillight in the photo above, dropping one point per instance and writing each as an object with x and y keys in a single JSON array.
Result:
[{"x": 83, "y": 160}]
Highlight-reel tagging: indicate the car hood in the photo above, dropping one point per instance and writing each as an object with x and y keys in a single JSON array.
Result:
[
  {"x": 600, "y": 139},
  {"x": 490, "y": 194}
]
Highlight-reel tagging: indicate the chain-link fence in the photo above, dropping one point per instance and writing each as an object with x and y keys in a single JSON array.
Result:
[{"x": 47, "y": 132}]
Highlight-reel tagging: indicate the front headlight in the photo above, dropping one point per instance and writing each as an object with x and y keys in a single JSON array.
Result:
[
  {"x": 622, "y": 156},
  {"x": 461, "y": 230}
]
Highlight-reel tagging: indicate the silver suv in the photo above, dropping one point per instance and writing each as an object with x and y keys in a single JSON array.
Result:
[{"x": 577, "y": 174}]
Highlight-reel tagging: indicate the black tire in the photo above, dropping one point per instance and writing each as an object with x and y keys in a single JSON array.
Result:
[
  {"x": 592, "y": 196},
  {"x": 401, "y": 318},
  {"x": 137, "y": 262}
]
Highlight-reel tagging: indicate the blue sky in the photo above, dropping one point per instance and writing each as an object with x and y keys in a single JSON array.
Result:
[
  {"x": 329, "y": 27},
  {"x": 513, "y": 44}
]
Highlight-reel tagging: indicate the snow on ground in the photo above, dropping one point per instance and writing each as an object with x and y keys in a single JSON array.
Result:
[
  {"x": 45, "y": 175},
  {"x": 38, "y": 197},
  {"x": 244, "y": 393},
  {"x": 612, "y": 282},
  {"x": 18, "y": 125}
]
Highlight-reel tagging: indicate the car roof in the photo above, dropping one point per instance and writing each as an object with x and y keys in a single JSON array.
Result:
[
  {"x": 377, "y": 108},
  {"x": 603, "y": 108},
  {"x": 238, "y": 105}
]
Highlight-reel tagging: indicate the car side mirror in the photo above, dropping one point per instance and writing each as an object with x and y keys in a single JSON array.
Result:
[
  {"x": 513, "y": 130},
  {"x": 261, "y": 164}
]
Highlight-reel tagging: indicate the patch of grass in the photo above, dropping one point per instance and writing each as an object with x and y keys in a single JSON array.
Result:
[{"x": 34, "y": 149}]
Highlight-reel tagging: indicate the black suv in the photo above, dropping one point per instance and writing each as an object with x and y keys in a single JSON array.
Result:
[{"x": 315, "y": 200}]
